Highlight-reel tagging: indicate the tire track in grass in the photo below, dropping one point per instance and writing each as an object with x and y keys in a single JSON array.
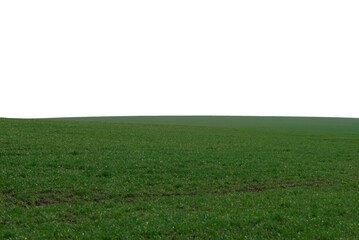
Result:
[{"x": 131, "y": 198}]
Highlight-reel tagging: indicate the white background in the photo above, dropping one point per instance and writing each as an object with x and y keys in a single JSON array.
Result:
[{"x": 187, "y": 57}]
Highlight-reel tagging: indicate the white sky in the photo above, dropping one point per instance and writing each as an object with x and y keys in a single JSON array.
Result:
[{"x": 183, "y": 57}]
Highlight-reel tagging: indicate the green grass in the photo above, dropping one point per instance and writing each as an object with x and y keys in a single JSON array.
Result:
[
  {"x": 316, "y": 124},
  {"x": 179, "y": 178}
]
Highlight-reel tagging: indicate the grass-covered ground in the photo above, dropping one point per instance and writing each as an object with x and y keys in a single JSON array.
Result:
[{"x": 179, "y": 178}]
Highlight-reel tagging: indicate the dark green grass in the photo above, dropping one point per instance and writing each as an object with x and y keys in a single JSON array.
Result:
[
  {"x": 107, "y": 179},
  {"x": 316, "y": 124}
]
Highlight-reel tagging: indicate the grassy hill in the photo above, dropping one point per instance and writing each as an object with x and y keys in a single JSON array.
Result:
[
  {"x": 179, "y": 178},
  {"x": 315, "y": 124}
]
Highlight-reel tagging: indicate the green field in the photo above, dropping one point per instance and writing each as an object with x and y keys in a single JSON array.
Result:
[{"x": 179, "y": 178}]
